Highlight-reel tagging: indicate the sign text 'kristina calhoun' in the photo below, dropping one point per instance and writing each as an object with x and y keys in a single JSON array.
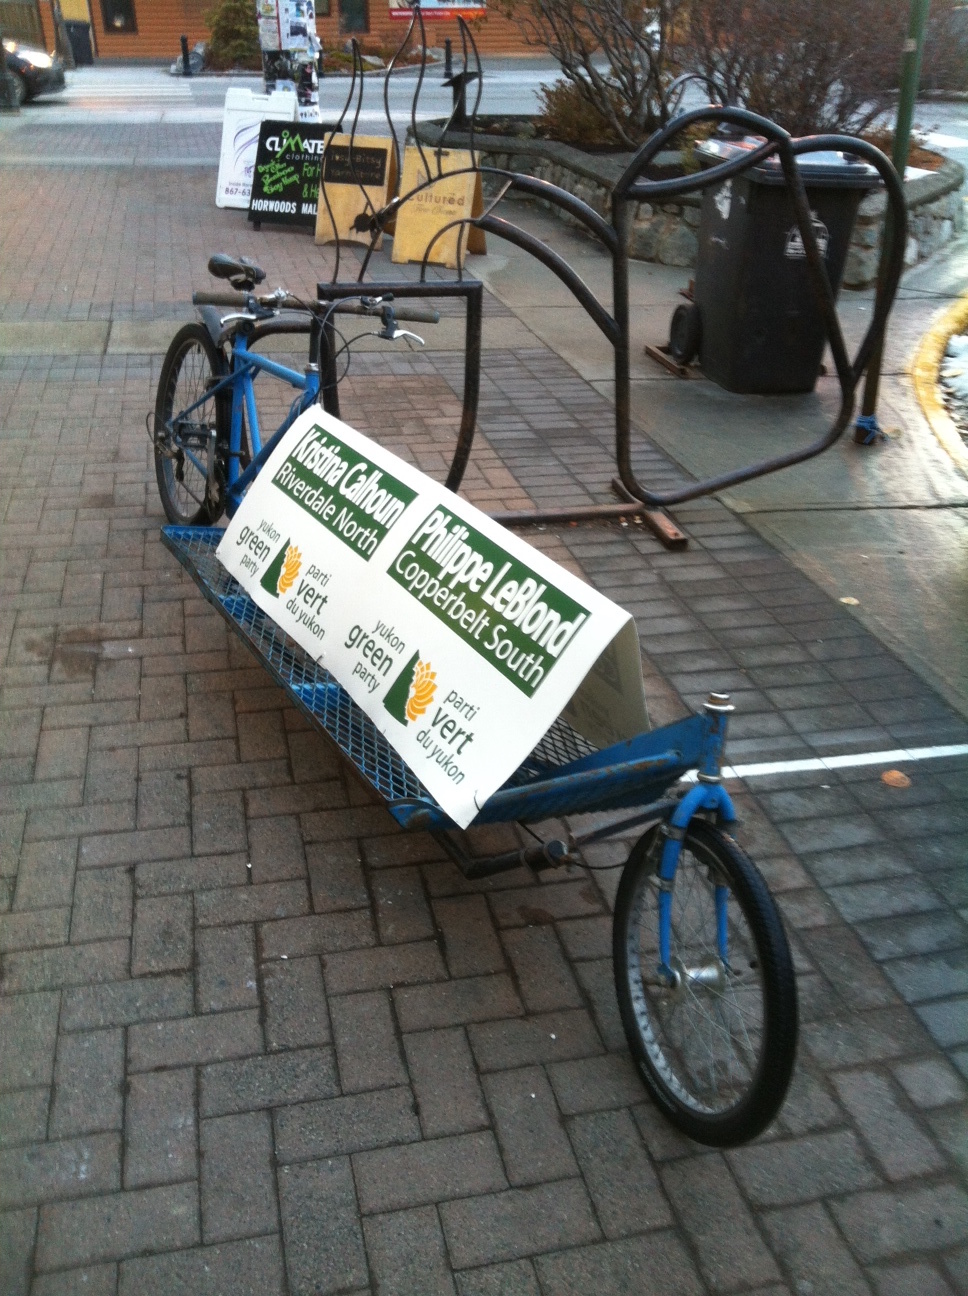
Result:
[
  {"x": 342, "y": 490},
  {"x": 491, "y": 599}
]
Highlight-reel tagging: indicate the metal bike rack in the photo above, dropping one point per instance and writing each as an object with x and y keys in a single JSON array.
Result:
[{"x": 632, "y": 188}]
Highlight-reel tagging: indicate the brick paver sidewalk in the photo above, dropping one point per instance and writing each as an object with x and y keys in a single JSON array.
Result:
[{"x": 255, "y": 1039}]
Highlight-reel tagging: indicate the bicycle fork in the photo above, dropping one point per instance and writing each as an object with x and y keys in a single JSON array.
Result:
[{"x": 708, "y": 795}]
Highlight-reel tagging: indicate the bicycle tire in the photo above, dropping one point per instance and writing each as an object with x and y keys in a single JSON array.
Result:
[
  {"x": 716, "y": 1055},
  {"x": 192, "y": 365}
]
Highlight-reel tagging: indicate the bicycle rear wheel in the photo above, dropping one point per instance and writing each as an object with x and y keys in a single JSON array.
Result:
[
  {"x": 714, "y": 1043},
  {"x": 189, "y": 459}
]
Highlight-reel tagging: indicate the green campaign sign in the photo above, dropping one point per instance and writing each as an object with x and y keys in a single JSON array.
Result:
[
  {"x": 499, "y": 605},
  {"x": 343, "y": 490}
]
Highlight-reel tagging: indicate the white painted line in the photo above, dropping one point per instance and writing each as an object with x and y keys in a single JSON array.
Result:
[{"x": 898, "y": 756}]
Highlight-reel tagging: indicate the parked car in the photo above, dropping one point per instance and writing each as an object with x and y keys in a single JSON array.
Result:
[{"x": 34, "y": 72}]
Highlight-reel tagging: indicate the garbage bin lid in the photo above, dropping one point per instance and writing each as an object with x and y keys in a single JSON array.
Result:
[{"x": 826, "y": 167}]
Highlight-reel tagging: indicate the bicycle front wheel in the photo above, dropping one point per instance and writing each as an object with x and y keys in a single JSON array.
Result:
[
  {"x": 189, "y": 459},
  {"x": 714, "y": 1031}
]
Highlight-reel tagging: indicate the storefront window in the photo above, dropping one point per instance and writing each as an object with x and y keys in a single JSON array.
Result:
[{"x": 118, "y": 16}]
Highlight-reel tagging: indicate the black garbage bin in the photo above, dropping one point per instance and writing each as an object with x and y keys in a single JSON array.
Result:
[
  {"x": 79, "y": 35},
  {"x": 755, "y": 318}
]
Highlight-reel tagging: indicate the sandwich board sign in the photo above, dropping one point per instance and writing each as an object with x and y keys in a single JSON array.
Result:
[
  {"x": 285, "y": 183},
  {"x": 448, "y": 198},
  {"x": 460, "y": 642},
  {"x": 242, "y": 120},
  {"x": 358, "y": 174}
]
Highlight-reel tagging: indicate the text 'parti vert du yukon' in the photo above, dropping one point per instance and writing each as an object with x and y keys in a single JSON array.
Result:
[
  {"x": 352, "y": 498},
  {"x": 516, "y": 621}
]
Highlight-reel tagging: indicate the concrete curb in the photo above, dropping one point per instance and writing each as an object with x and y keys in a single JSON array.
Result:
[{"x": 924, "y": 374}]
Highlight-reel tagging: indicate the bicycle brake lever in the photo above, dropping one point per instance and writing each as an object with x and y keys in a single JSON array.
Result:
[{"x": 400, "y": 333}]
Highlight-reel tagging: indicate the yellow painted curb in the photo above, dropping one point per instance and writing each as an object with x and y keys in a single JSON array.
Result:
[{"x": 924, "y": 374}]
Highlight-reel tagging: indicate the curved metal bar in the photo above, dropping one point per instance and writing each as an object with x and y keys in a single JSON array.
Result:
[
  {"x": 337, "y": 129},
  {"x": 550, "y": 193},
  {"x": 886, "y": 287},
  {"x": 459, "y": 225},
  {"x": 467, "y": 41},
  {"x": 367, "y": 200},
  {"x": 536, "y": 188},
  {"x": 677, "y": 89},
  {"x": 450, "y": 120},
  {"x": 848, "y": 372},
  {"x": 467, "y": 36},
  {"x": 386, "y": 103},
  {"x": 557, "y": 265},
  {"x": 357, "y": 63},
  {"x": 653, "y": 190},
  {"x": 656, "y": 142},
  {"x": 416, "y": 91},
  {"x": 332, "y": 221}
]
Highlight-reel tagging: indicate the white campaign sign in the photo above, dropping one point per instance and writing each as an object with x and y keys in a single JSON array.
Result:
[{"x": 460, "y": 641}]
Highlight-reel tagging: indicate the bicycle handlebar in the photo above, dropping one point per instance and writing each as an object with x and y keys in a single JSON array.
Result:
[
  {"x": 240, "y": 300},
  {"x": 413, "y": 314},
  {"x": 219, "y": 299}
]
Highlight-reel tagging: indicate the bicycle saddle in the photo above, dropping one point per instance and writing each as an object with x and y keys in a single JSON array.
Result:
[{"x": 241, "y": 272}]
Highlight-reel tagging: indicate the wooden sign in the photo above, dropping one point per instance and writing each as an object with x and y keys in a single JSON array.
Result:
[
  {"x": 358, "y": 174},
  {"x": 449, "y": 198},
  {"x": 285, "y": 183}
]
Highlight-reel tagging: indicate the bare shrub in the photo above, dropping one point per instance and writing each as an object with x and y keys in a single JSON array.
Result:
[
  {"x": 615, "y": 53},
  {"x": 809, "y": 65},
  {"x": 944, "y": 65}
]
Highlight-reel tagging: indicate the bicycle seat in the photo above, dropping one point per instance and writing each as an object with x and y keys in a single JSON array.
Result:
[{"x": 241, "y": 272}]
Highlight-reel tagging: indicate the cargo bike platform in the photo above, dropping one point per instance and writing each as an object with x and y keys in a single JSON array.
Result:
[{"x": 703, "y": 972}]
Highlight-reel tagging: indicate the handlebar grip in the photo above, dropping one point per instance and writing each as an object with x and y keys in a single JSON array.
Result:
[
  {"x": 417, "y": 314},
  {"x": 219, "y": 299}
]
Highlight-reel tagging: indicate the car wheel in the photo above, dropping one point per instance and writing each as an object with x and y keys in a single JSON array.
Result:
[{"x": 19, "y": 87}]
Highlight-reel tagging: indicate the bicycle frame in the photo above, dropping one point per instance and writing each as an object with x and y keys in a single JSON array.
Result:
[{"x": 245, "y": 366}]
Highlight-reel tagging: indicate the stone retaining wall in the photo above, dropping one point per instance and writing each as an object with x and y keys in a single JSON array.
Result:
[
  {"x": 936, "y": 212},
  {"x": 667, "y": 232}
]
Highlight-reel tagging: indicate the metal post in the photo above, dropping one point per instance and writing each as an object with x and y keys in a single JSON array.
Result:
[
  {"x": 448, "y": 58},
  {"x": 186, "y": 65},
  {"x": 867, "y": 429},
  {"x": 62, "y": 42},
  {"x": 8, "y": 90}
]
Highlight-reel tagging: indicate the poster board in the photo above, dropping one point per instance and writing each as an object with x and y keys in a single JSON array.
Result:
[
  {"x": 243, "y": 117},
  {"x": 448, "y": 198},
  {"x": 287, "y": 25},
  {"x": 289, "y": 44},
  {"x": 460, "y": 641},
  {"x": 285, "y": 183},
  {"x": 358, "y": 174}
]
